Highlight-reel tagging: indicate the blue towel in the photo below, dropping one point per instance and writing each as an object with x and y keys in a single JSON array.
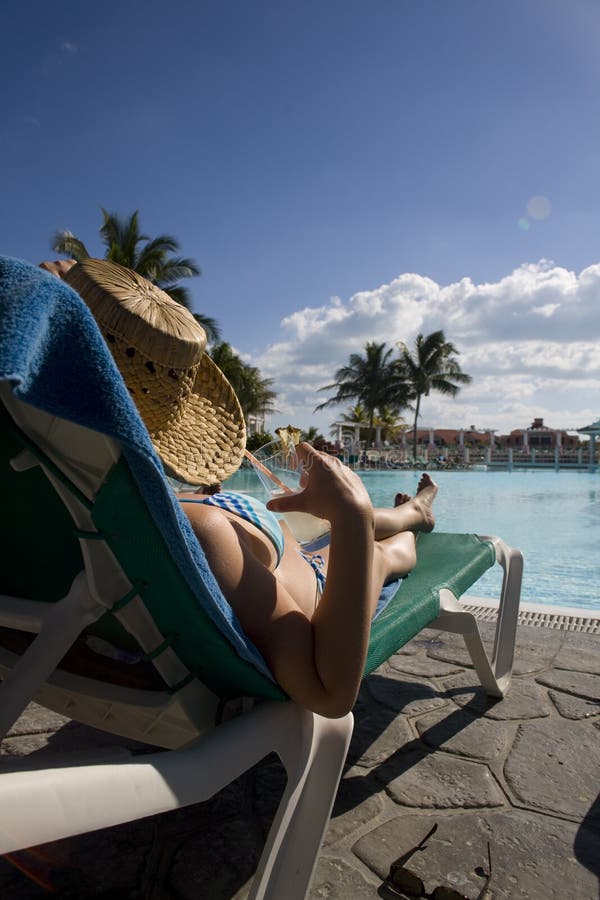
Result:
[{"x": 54, "y": 355}]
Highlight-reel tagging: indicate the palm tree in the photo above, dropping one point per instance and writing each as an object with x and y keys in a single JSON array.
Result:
[
  {"x": 390, "y": 422},
  {"x": 253, "y": 391},
  {"x": 355, "y": 415},
  {"x": 373, "y": 380},
  {"x": 432, "y": 367},
  {"x": 312, "y": 435},
  {"x": 153, "y": 258},
  {"x": 386, "y": 418},
  {"x": 223, "y": 355}
]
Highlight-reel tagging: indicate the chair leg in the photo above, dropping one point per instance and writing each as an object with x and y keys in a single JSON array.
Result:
[
  {"x": 63, "y": 623},
  {"x": 511, "y": 561},
  {"x": 314, "y": 753},
  {"x": 42, "y": 805},
  {"x": 494, "y": 674},
  {"x": 454, "y": 619}
]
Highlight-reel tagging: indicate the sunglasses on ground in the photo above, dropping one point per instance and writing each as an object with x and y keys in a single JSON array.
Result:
[{"x": 402, "y": 880}]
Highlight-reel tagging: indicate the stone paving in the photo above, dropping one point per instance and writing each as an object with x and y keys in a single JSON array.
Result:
[{"x": 428, "y": 747}]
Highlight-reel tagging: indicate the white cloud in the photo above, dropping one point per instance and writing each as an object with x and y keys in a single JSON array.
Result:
[
  {"x": 547, "y": 310},
  {"x": 531, "y": 341}
]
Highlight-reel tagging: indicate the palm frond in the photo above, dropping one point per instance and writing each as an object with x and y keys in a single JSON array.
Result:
[
  {"x": 211, "y": 327},
  {"x": 154, "y": 261},
  {"x": 255, "y": 393},
  {"x": 177, "y": 292},
  {"x": 121, "y": 236},
  {"x": 176, "y": 268},
  {"x": 165, "y": 243},
  {"x": 66, "y": 242}
]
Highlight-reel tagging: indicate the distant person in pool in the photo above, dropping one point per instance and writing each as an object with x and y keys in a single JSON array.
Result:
[{"x": 308, "y": 614}]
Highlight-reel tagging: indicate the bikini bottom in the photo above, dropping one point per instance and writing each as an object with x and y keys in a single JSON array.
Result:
[{"x": 317, "y": 563}]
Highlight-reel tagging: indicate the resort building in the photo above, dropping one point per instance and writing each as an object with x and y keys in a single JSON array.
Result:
[
  {"x": 538, "y": 445},
  {"x": 537, "y": 437},
  {"x": 451, "y": 438},
  {"x": 255, "y": 424}
]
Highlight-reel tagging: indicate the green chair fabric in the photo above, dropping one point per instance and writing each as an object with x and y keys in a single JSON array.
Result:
[
  {"x": 120, "y": 512},
  {"x": 40, "y": 555},
  {"x": 453, "y": 561}
]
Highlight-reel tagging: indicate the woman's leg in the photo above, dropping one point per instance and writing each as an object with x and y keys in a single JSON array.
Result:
[
  {"x": 416, "y": 514},
  {"x": 395, "y": 548},
  {"x": 393, "y": 557}
]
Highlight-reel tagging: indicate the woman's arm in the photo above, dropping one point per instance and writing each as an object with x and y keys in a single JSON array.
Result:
[
  {"x": 342, "y": 621},
  {"x": 318, "y": 662}
]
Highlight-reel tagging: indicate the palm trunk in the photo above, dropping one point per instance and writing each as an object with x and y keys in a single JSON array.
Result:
[
  {"x": 415, "y": 427},
  {"x": 370, "y": 435}
]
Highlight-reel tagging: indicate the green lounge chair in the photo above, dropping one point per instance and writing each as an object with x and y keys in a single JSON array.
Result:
[
  {"x": 66, "y": 580},
  {"x": 89, "y": 557}
]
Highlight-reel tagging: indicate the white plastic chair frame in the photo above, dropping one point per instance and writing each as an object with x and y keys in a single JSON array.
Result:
[
  {"x": 47, "y": 804},
  {"x": 495, "y": 673},
  {"x": 76, "y": 796}
]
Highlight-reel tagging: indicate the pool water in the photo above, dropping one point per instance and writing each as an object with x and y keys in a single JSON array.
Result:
[{"x": 552, "y": 517}]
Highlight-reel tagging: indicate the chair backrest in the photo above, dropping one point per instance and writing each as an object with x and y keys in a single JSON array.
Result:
[
  {"x": 40, "y": 555},
  {"x": 158, "y": 612}
]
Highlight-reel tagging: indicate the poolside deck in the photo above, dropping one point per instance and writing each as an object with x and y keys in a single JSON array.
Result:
[{"x": 428, "y": 746}]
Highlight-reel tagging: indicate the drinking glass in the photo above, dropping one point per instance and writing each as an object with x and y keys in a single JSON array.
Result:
[{"x": 280, "y": 470}]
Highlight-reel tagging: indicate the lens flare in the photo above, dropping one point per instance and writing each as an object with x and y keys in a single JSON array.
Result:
[{"x": 538, "y": 207}]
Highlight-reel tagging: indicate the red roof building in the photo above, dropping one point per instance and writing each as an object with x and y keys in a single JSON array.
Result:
[{"x": 538, "y": 436}]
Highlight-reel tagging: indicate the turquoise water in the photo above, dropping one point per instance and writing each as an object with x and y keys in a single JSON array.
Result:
[{"x": 552, "y": 517}]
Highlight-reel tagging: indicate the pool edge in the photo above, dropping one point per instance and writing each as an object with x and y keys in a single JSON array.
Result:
[{"x": 563, "y": 618}]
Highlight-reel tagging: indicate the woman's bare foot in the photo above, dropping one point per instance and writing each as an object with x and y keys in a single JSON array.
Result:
[
  {"x": 408, "y": 513},
  {"x": 426, "y": 491}
]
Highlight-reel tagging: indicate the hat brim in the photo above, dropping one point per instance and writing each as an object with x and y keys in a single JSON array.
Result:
[{"x": 207, "y": 443}]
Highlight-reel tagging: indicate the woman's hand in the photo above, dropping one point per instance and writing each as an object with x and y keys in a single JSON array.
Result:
[{"x": 330, "y": 490}]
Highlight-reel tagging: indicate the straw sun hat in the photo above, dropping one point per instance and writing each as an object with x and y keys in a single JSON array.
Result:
[{"x": 189, "y": 408}]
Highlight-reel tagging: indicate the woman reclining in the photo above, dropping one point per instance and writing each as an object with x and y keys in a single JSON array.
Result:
[{"x": 313, "y": 632}]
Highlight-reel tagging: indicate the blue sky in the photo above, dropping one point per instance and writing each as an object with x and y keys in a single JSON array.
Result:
[{"x": 342, "y": 171}]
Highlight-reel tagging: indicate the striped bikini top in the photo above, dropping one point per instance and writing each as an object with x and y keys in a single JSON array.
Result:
[{"x": 249, "y": 508}]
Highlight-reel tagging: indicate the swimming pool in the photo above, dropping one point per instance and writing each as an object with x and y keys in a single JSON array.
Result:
[{"x": 552, "y": 517}]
